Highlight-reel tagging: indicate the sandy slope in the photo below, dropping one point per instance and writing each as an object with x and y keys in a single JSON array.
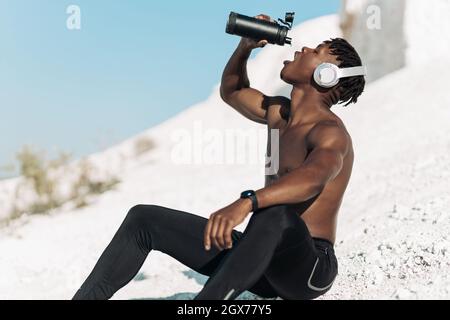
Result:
[
  {"x": 394, "y": 221},
  {"x": 395, "y": 217}
]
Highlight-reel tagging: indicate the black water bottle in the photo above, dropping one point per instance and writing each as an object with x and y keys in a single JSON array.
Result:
[{"x": 257, "y": 29}]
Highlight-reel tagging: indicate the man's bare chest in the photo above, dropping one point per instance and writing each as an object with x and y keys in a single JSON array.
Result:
[{"x": 291, "y": 146}]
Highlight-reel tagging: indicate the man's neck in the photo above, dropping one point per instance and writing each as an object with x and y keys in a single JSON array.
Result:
[{"x": 307, "y": 105}]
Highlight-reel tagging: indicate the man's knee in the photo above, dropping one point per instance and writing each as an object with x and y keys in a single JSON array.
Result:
[{"x": 140, "y": 214}]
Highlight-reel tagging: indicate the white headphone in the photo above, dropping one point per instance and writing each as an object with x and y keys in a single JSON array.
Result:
[{"x": 327, "y": 75}]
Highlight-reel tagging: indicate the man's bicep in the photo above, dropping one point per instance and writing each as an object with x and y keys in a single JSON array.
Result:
[
  {"x": 324, "y": 163},
  {"x": 250, "y": 103},
  {"x": 330, "y": 144}
]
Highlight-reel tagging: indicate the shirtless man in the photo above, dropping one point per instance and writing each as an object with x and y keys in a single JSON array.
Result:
[{"x": 287, "y": 248}]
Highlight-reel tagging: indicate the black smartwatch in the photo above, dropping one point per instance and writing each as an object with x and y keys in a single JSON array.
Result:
[{"x": 252, "y": 196}]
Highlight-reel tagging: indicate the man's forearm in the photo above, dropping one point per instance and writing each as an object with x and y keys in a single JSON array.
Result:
[
  {"x": 297, "y": 186},
  {"x": 234, "y": 76}
]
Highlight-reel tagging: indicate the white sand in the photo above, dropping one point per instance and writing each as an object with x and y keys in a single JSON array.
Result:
[{"x": 394, "y": 220}]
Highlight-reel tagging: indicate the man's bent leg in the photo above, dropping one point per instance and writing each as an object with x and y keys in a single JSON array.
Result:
[
  {"x": 145, "y": 228},
  {"x": 246, "y": 263}
]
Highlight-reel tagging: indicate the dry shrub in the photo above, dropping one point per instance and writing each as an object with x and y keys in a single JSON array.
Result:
[
  {"x": 143, "y": 145},
  {"x": 41, "y": 182}
]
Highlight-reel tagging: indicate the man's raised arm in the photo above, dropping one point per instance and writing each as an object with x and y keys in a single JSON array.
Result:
[{"x": 235, "y": 86}]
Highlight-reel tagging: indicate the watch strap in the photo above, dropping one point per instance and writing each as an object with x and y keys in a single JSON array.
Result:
[{"x": 251, "y": 194}]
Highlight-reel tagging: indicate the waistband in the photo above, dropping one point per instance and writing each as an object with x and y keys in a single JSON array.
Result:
[{"x": 322, "y": 240}]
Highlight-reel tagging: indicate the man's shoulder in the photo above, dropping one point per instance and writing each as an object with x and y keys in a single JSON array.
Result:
[{"x": 329, "y": 133}]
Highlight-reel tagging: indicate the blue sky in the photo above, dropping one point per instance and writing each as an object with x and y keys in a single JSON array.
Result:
[{"x": 132, "y": 65}]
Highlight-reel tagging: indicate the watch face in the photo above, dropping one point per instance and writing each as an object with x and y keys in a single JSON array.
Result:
[
  {"x": 250, "y": 194},
  {"x": 247, "y": 193}
]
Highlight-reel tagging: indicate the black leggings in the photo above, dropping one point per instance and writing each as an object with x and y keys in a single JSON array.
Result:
[{"x": 274, "y": 257}]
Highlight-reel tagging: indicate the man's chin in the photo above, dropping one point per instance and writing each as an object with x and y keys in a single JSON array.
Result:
[
  {"x": 282, "y": 73},
  {"x": 283, "y": 77}
]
